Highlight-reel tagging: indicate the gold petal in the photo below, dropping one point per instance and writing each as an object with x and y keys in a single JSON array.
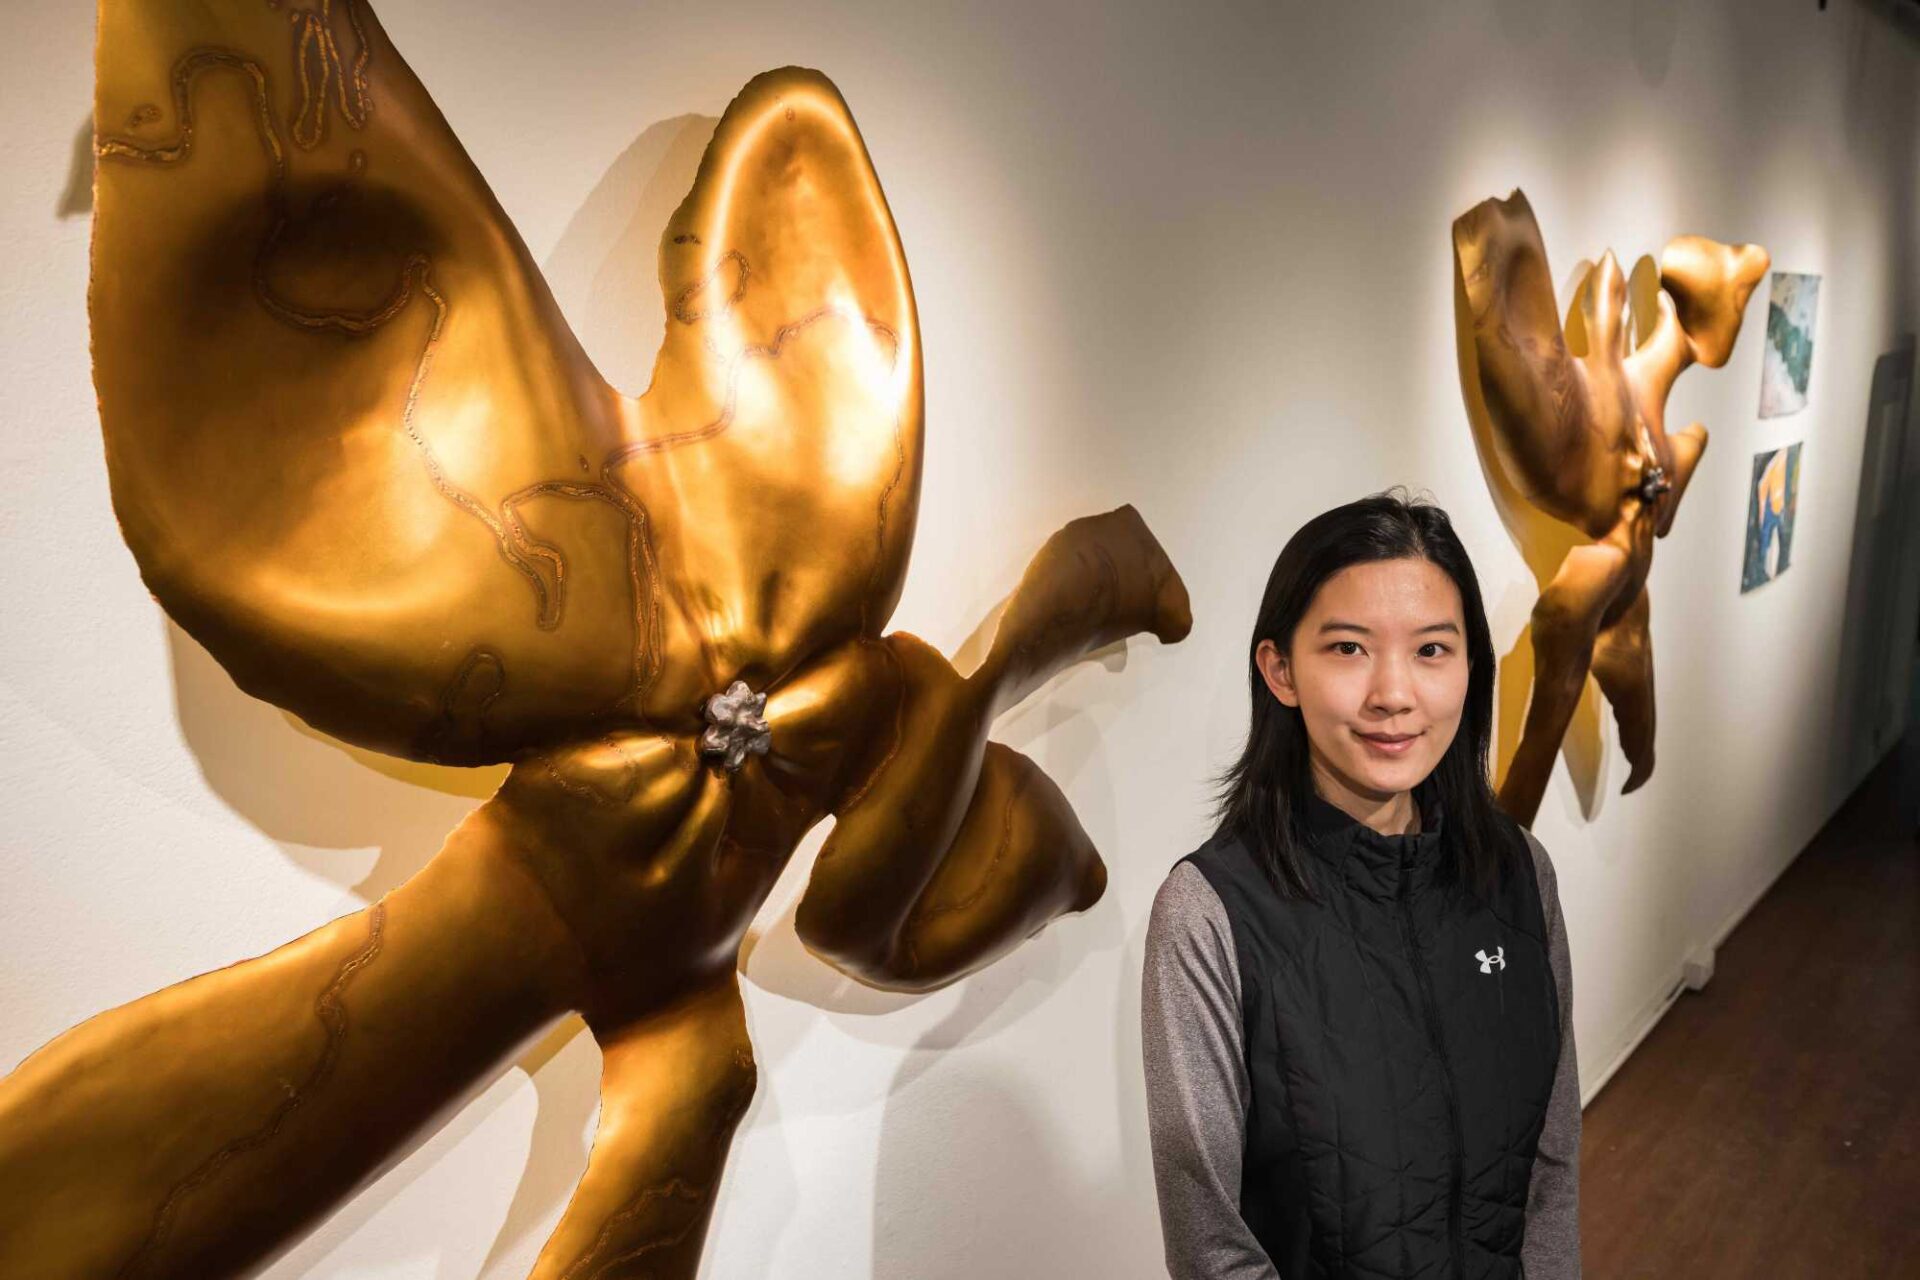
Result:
[
  {"x": 352, "y": 443},
  {"x": 780, "y": 440}
]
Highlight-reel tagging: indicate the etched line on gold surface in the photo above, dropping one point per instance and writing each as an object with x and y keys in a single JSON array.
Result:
[
  {"x": 979, "y": 891},
  {"x": 744, "y": 1078},
  {"x": 729, "y": 406},
  {"x": 185, "y": 72},
  {"x": 413, "y": 273},
  {"x": 446, "y": 721},
  {"x": 313, "y": 41},
  {"x": 673, "y": 1188},
  {"x": 585, "y": 791},
  {"x": 720, "y": 424},
  {"x": 682, "y": 308},
  {"x": 331, "y": 1009},
  {"x": 765, "y": 351},
  {"x": 649, "y": 631},
  {"x": 646, "y": 598},
  {"x": 416, "y": 274},
  {"x": 547, "y": 615}
]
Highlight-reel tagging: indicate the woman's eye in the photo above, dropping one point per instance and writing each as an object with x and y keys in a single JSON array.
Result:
[
  {"x": 1433, "y": 649},
  {"x": 1346, "y": 648}
]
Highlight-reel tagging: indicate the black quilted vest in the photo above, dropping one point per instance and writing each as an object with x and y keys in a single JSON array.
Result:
[{"x": 1401, "y": 1039}]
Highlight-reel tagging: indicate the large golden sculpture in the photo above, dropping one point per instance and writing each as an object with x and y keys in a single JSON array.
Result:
[
  {"x": 359, "y": 456},
  {"x": 1570, "y": 421}
]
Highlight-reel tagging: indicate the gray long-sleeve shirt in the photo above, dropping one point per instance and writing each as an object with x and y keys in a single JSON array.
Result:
[{"x": 1198, "y": 1093}]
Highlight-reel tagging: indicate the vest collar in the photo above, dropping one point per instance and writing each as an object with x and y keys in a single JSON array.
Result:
[{"x": 1372, "y": 863}]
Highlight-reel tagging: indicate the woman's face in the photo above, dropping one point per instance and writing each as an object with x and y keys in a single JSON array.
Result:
[{"x": 1378, "y": 668}]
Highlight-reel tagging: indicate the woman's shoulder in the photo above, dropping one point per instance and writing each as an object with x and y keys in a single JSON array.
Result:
[
  {"x": 1189, "y": 941},
  {"x": 1547, "y": 881},
  {"x": 1186, "y": 901},
  {"x": 1522, "y": 838},
  {"x": 1543, "y": 871}
]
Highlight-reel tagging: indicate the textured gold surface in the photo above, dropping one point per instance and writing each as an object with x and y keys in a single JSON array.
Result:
[
  {"x": 1570, "y": 420},
  {"x": 357, "y": 453}
]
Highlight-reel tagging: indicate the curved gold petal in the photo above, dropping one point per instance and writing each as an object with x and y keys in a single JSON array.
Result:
[
  {"x": 1710, "y": 283},
  {"x": 352, "y": 443},
  {"x": 897, "y": 821},
  {"x": 1549, "y": 430},
  {"x": 780, "y": 440},
  {"x": 1098, "y": 580},
  {"x": 1019, "y": 859},
  {"x": 917, "y": 884}
]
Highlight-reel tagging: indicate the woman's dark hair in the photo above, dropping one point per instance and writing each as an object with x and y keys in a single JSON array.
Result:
[{"x": 1263, "y": 796}]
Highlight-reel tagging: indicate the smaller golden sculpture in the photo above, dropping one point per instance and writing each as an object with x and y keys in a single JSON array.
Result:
[
  {"x": 359, "y": 456},
  {"x": 1570, "y": 422}
]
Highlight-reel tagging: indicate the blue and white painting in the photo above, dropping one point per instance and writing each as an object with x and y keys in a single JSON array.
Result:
[{"x": 1788, "y": 359}]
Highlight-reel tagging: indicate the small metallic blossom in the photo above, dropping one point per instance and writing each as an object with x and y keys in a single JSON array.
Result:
[{"x": 736, "y": 726}]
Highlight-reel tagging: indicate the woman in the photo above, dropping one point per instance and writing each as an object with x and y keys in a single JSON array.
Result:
[{"x": 1357, "y": 1005}]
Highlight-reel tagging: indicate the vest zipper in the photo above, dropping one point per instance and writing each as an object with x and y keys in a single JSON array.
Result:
[{"x": 1446, "y": 1076}]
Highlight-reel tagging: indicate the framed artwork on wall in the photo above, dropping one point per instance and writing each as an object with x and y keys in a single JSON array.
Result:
[
  {"x": 1788, "y": 362},
  {"x": 1772, "y": 502}
]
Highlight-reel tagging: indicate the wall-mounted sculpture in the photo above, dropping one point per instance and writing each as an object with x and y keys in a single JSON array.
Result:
[
  {"x": 359, "y": 456},
  {"x": 1570, "y": 422}
]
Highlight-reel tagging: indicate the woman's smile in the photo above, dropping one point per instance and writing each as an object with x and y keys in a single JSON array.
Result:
[{"x": 1387, "y": 744}]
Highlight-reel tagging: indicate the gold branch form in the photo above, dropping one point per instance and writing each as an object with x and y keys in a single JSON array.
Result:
[
  {"x": 357, "y": 454},
  {"x": 1570, "y": 423}
]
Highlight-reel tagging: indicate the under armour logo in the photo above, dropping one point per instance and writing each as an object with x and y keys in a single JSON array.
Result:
[{"x": 1499, "y": 957}]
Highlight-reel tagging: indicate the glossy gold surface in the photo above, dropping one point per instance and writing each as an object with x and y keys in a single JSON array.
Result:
[
  {"x": 357, "y": 453},
  {"x": 1570, "y": 421}
]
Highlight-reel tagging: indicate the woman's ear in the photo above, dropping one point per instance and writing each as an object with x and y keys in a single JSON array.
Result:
[{"x": 1277, "y": 672}]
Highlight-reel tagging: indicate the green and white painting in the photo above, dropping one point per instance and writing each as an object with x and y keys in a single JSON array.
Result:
[{"x": 1788, "y": 361}]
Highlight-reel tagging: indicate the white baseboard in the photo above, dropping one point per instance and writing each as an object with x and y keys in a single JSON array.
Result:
[
  {"x": 1678, "y": 980},
  {"x": 1642, "y": 1027}
]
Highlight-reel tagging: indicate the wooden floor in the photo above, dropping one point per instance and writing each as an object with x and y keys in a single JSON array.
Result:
[{"x": 1770, "y": 1125}]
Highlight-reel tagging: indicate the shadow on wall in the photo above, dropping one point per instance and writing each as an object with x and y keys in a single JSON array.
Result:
[
  {"x": 1877, "y": 633},
  {"x": 76, "y": 198},
  {"x": 1655, "y": 30},
  {"x": 317, "y": 797},
  {"x": 605, "y": 270}
]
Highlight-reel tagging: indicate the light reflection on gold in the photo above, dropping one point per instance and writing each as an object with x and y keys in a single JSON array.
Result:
[
  {"x": 359, "y": 456},
  {"x": 1570, "y": 419}
]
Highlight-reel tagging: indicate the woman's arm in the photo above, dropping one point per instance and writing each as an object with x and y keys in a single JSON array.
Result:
[
  {"x": 1197, "y": 1090},
  {"x": 189, "y": 1132},
  {"x": 1551, "y": 1249}
]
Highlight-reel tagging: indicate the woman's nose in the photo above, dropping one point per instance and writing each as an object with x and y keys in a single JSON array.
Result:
[{"x": 1390, "y": 692}]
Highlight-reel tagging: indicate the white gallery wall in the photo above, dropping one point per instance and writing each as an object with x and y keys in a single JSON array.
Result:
[{"x": 1194, "y": 257}]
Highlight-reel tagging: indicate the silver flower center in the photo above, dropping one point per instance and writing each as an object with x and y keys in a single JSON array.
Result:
[{"x": 736, "y": 726}]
